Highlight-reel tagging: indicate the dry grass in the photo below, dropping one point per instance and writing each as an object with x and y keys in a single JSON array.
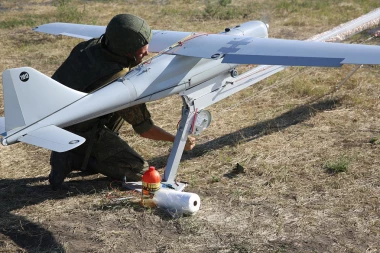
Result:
[{"x": 284, "y": 200}]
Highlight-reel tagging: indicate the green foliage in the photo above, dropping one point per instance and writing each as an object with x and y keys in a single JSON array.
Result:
[
  {"x": 223, "y": 9},
  {"x": 67, "y": 11},
  {"x": 298, "y": 5},
  {"x": 338, "y": 165},
  {"x": 224, "y": 3},
  {"x": 28, "y": 21},
  {"x": 319, "y": 12},
  {"x": 373, "y": 140},
  {"x": 172, "y": 11},
  {"x": 109, "y": 1},
  {"x": 25, "y": 20},
  {"x": 215, "y": 9},
  {"x": 215, "y": 179}
]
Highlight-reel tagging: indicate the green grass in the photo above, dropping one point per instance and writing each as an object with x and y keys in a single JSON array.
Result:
[
  {"x": 319, "y": 12},
  {"x": 215, "y": 179},
  {"x": 66, "y": 11},
  {"x": 29, "y": 20},
  {"x": 338, "y": 165},
  {"x": 70, "y": 12},
  {"x": 222, "y": 10},
  {"x": 15, "y": 22}
]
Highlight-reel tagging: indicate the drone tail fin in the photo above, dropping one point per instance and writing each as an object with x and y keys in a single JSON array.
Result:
[{"x": 29, "y": 96}]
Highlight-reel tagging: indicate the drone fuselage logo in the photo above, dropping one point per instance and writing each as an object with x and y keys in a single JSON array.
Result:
[{"x": 24, "y": 76}]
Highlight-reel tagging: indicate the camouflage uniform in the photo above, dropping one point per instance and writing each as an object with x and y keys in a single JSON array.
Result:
[{"x": 89, "y": 66}]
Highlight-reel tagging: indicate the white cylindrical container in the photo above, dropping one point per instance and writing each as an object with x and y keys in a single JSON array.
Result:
[{"x": 177, "y": 202}]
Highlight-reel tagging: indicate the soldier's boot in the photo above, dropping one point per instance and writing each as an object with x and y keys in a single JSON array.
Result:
[{"x": 61, "y": 166}]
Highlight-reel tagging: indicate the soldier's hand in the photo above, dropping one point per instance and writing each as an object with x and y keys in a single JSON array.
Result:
[{"x": 190, "y": 143}]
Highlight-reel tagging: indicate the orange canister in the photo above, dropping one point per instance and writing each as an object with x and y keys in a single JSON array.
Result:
[{"x": 151, "y": 182}]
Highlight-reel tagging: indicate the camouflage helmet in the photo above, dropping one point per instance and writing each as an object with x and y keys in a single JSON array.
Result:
[{"x": 126, "y": 33}]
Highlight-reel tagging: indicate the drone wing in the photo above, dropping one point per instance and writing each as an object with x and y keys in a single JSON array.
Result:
[
  {"x": 239, "y": 49},
  {"x": 73, "y": 30},
  {"x": 249, "y": 50},
  {"x": 160, "y": 41}
]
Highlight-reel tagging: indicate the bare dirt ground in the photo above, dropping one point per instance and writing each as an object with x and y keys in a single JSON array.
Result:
[{"x": 288, "y": 138}]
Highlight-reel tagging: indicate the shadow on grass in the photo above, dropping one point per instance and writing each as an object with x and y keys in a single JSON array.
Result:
[
  {"x": 31, "y": 236},
  {"x": 285, "y": 120},
  {"x": 16, "y": 194}
]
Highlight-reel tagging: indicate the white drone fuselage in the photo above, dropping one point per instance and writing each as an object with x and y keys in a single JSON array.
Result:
[{"x": 162, "y": 76}]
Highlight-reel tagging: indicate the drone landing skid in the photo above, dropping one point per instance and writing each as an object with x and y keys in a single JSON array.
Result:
[{"x": 137, "y": 186}]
